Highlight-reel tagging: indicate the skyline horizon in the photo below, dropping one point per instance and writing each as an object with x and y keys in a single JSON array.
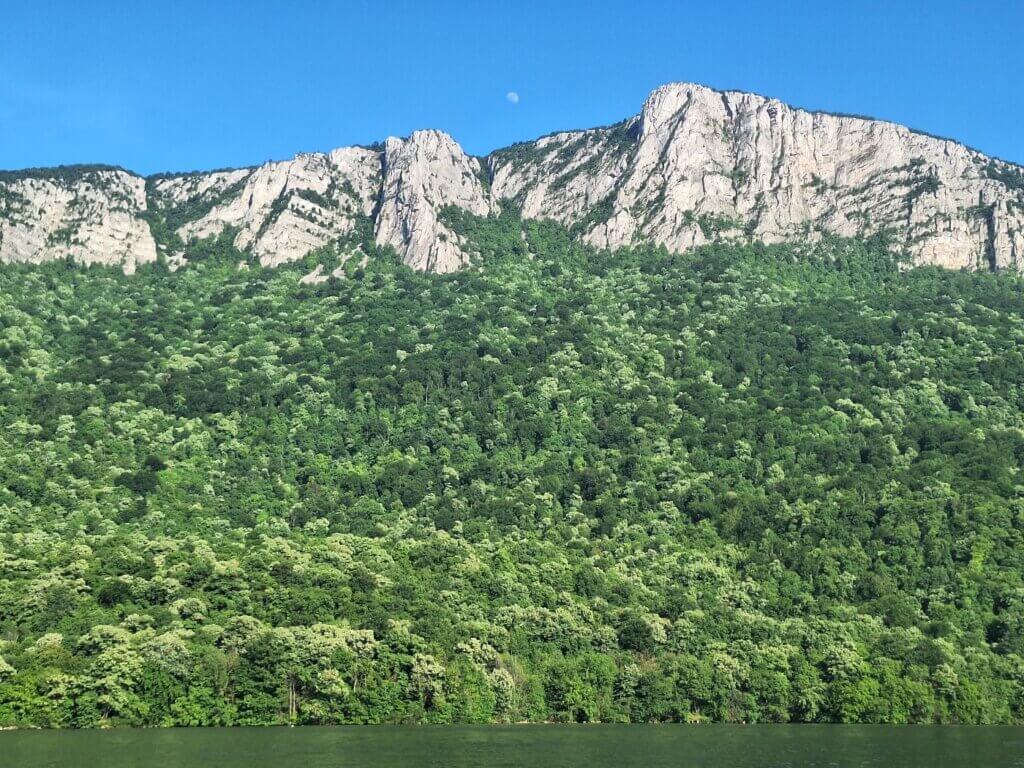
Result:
[
  {"x": 197, "y": 86},
  {"x": 87, "y": 163}
]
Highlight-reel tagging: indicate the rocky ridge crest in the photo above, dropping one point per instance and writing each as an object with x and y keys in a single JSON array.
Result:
[{"x": 695, "y": 165}]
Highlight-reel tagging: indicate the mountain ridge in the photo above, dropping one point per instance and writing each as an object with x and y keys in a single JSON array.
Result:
[
  {"x": 378, "y": 144},
  {"x": 697, "y": 164}
]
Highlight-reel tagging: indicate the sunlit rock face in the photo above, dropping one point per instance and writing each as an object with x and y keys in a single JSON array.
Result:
[
  {"x": 695, "y": 165},
  {"x": 282, "y": 210},
  {"x": 90, "y": 216},
  {"x": 423, "y": 174}
]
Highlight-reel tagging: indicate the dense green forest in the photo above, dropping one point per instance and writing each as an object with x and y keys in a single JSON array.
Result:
[{"x": 747, "y": 483}]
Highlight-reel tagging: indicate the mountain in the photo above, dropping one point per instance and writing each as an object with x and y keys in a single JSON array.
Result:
[
  {"x": 695, "y": 165},
  {"x": 751, "y": 482},
  {"x": 698, "y": 162},
  {"x": 748, "y": 483}
]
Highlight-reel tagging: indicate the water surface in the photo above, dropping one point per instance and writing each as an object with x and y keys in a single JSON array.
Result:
[{"x": 540, "y": 746}]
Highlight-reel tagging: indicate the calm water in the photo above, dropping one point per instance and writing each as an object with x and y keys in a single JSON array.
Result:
[{"x": 602, "y": 746}]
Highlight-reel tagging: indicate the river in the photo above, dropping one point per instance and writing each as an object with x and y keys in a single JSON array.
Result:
[{"x": 594, "y": 746}]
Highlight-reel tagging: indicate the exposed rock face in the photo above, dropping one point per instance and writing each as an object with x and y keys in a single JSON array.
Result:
[
  {"x": 706, "y": 163},
  {"x": 93, "y": 216},
  {"x": 282, "y": 210},
  {"x": 423, "y": 174},
  {"x": 569, "y": 176},
  {"x": 285, "y": 210},
  {"x": 695, "y": 165}
]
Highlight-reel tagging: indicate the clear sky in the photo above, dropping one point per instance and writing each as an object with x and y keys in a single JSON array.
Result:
[{"x": 194, "y": 85}]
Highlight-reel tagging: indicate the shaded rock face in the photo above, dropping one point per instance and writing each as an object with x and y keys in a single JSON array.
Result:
[{"x": 695, "y": 165}]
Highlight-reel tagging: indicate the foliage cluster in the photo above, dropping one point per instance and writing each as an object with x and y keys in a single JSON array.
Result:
[{"x": 748, "y": 483}]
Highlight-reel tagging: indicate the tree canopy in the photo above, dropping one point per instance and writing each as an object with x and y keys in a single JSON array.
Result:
[{"x": 748, "y": 483}]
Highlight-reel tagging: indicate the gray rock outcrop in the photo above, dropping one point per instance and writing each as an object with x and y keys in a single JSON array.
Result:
[
  {"x": 695, "y": 165},
  {"x": 424, "y": 174},
  {"x": 90, "y": 215},
  {"x": 698, "y": 164}
]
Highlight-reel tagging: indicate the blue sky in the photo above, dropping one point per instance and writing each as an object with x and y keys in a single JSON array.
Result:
[{"x": 193, "y": 85}]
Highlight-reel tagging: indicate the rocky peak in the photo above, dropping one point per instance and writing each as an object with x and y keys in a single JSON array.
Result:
[
  {"x": 707, "y": 164},
  {"x": 423, "y": 174},
  {"x": 695, "y": 165},
  {"x": 284, "y": 210}
]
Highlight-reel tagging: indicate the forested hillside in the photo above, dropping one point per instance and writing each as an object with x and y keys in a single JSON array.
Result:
[{"x": 747, "y": 483}]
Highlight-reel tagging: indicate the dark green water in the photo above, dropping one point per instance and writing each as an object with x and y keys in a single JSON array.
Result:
[{"x": 601, "y": 746}]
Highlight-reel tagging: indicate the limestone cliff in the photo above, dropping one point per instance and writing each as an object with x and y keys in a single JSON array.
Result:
[
  {"x": 281, "y": 210},
  {"x": 284, "y": 210},
  {"x": 91, "y": 214},
  {"x": 423, "y": 174},
  {"x": 696, "y": 164}
]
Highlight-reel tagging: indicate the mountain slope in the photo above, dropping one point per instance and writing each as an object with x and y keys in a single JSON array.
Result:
[
  {"x": 746, "y": 483},
  {"x": 694, "y": 166}
]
